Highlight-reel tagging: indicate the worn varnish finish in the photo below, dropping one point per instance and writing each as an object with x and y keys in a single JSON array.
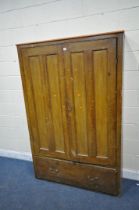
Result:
[{"x": 72, "y": 89}]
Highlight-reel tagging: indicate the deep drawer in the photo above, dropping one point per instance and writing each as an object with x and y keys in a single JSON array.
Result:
[{"x": 82, "y": 175}]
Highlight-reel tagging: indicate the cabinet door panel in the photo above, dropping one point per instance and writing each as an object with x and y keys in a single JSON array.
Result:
[
  {"x": 80, "y": 102},
  {"x": 101, "y": 101},
  {"x": 56, "y": 108},
  {"x": 93, "y": 97},
  {"x": 45, "y": 76}
]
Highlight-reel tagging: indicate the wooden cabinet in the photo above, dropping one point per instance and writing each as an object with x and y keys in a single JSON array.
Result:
[{"x": 72, "y": 90}]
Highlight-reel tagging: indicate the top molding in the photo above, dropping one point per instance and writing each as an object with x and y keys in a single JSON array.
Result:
[{"x": 66, "y": 39}]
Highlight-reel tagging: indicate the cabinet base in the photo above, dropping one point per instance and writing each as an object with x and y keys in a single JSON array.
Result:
[{"x": 87, "y": 176}]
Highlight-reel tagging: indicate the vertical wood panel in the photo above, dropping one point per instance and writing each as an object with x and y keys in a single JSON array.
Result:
[
  {"x": 77, "y": 60},
  {"x": 63, "y": 97},
  {"x": 37, "y": 84},
  {"x": 46, "y": 97},
  {"x": 90, "y": 105},
  {"x": 53, "y": 74},
  {"x": 70, "y": 111},
  {"x": 100, "y": 76},
  {"x": 30, "y": 105}
]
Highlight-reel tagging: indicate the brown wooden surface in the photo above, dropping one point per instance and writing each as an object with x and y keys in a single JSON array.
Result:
[
  {"x": 82, "y": 175},
  {"x": 72, "y": 91}
]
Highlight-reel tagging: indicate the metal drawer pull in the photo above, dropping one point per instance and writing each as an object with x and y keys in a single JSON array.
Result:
[
  {"x": 92, "y": 179},
  {"x": 53, "y": 170}
]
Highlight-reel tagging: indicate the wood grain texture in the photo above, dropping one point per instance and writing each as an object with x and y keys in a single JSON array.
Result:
[
  {"x": 72, "y": 91},
  {"x": 101, "y": 102},
  {"x": 45, "y": 83},
  {"x": 82, "y": 175},
  {"x": 93, "y": 83},
  {"x": 90, "y": 102},
  {"x": 54, "y": 83},
  {"x": 36, "y": 79},
  {"x": 77, "y": 62}
]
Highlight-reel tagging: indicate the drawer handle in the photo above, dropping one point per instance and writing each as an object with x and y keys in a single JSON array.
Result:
[
  {"x": 92, "y": 179},
  {"x": 94, "y": 182},
  {"x": 52, "y": 170}
]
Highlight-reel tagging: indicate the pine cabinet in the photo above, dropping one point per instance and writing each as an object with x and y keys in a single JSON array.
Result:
[{"x": 72, "y": 90}]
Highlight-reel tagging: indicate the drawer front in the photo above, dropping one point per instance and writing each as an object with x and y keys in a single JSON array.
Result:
[{"x": 83, "y": 175}]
